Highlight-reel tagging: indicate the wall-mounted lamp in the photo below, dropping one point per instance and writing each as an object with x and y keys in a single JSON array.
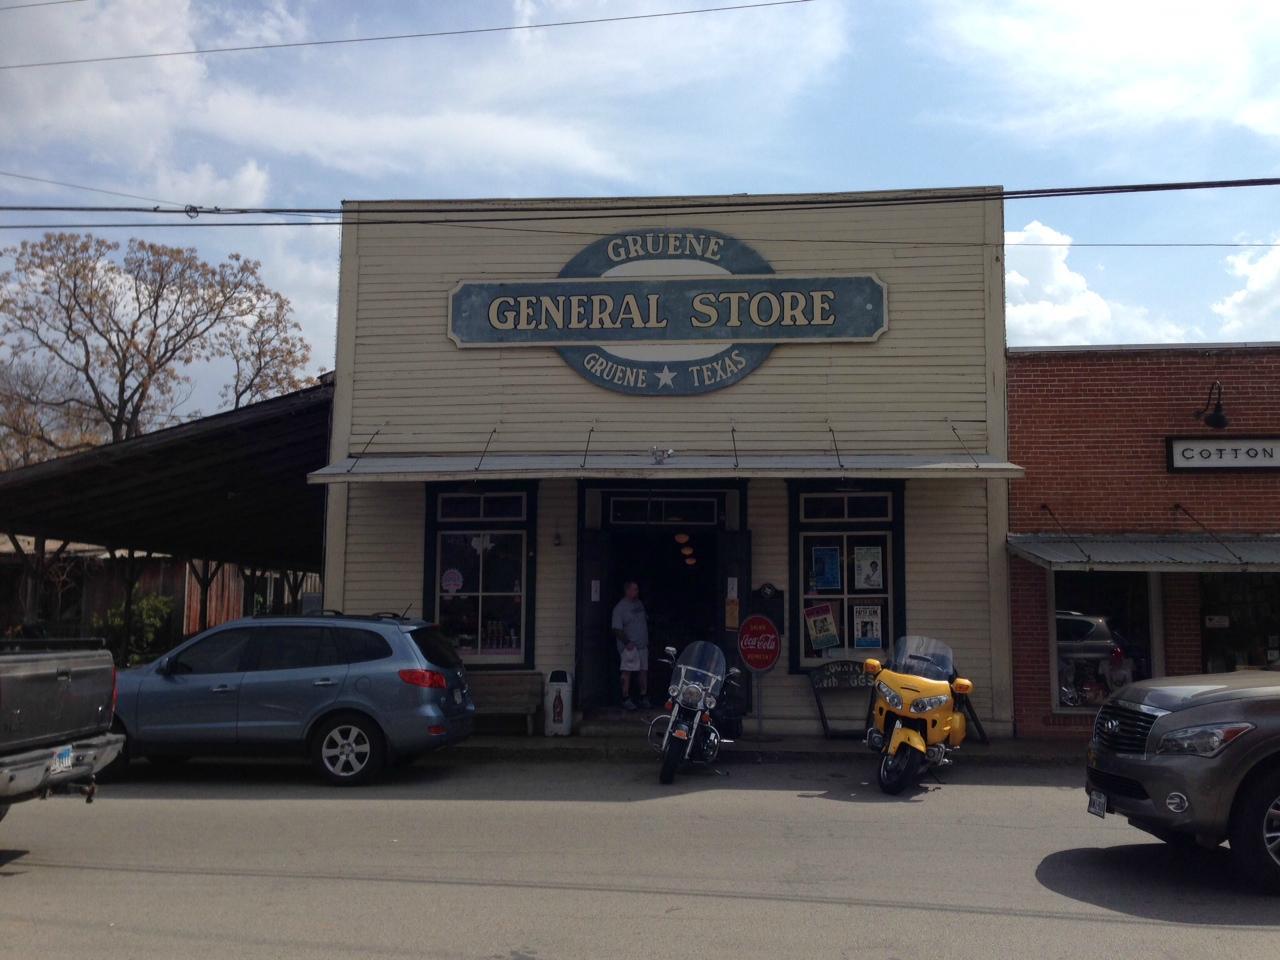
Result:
[{"x": 1215, "y": 419}]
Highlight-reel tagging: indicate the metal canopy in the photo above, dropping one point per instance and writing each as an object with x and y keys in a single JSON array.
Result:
[
  {"x": 1198, "y": 553},
  {"x": 395, "y": 469},
  {"x": 229, "y": 487}
]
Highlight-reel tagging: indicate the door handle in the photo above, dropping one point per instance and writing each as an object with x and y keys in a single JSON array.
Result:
[
  {"x": 222, "y": 688},
  {"x": 326, "y": 682},
  {"x": 64, "y": 674}
]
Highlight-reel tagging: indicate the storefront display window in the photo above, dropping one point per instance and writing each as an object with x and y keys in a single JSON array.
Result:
[
  {"x": 1240, "y": 615},
  {"x": 846, "y": 602},
  {"x": 1102, "y": 635},
  {"x": 480, "y": 573}
]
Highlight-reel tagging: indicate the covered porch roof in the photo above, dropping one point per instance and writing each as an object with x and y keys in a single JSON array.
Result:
[{"x": 229, "y": 487}]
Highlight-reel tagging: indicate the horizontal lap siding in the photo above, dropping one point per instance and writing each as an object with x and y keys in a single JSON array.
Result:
[
  {"x": 385, "y": 530},
  {"x": 947, "y": 577},
  {"x": 420, "y": 394},
  {"x": 555, "y": 608}
]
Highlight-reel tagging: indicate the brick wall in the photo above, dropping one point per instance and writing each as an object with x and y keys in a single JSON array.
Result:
[
  {"x": 1089, "y": 426},
  {"x": 1182, "y": 643},
  {"x": 1033, "y": 714}
]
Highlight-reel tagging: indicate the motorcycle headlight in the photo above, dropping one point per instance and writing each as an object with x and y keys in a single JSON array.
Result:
[
  {"x": 691, "y": 695},
  {"x": 890, "y": 695},
  {"x": 1204, "y": 741},
  {"x": 673, "y": 690},
  {"x": 711, "y": 702},
  {"x": 925, "y": 704}
]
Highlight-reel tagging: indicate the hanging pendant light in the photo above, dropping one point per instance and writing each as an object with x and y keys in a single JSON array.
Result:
[{"x": 682, "y": 538}]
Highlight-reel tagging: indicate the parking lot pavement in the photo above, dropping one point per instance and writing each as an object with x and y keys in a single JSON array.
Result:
[{"x": 458, "y": 857}]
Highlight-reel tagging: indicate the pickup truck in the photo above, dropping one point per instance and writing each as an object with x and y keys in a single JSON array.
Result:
[{"x": 57, "y": 700}]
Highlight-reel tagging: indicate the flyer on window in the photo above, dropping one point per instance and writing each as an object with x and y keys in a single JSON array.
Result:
[
  {"x": 866, "y": 627},
  {"x": 820, "y": 620},
  {"x": 868, "y": 568},
  {"x": 826, "y": 568}
]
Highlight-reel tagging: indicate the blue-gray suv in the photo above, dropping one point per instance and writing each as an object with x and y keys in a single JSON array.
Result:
[{"x": 352, "y": 693}]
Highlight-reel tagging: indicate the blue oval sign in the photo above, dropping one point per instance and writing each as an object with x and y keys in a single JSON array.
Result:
[{"x": 667, "y": 311}]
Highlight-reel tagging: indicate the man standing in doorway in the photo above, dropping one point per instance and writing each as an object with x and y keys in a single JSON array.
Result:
[{"x": 631, "y": 633}]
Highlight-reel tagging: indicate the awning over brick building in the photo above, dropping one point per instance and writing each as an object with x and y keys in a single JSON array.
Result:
[{"x": 1189, "y": 554}]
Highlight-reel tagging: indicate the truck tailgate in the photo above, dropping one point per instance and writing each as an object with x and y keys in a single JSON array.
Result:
[{"x": 49, "y": 697}]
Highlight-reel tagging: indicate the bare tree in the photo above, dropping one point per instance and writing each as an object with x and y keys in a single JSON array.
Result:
[
  {"x": 268, "y": 352},
  {"x": 43, "y": 413},
  {"x": 124, "y": 328}
]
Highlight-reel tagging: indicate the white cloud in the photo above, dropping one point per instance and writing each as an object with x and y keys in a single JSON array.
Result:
[
  {"x": 1089, "y": 65},
  {"x": 1048, "y": 303},
  {"x": 201, "y": 185},
  {"x": 1253, "y": 311}
]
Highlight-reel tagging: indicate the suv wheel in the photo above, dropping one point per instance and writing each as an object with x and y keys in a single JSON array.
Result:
[
  {"x": 1255, "y": 832},
  {"x": 348, "y": 750}
]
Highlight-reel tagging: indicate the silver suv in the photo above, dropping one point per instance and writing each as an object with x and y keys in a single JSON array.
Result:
[
  {"x": 1195, "y": 759},
  {"x": 352, "y": 693}
]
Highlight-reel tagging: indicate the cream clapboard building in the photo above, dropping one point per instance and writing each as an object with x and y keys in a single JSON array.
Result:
[{"x": 719, "y": 397}]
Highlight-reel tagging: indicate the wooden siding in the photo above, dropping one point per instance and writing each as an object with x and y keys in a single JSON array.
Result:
[
  {"x": 386, "y": 523},
  {"x": 555, "y": 608},
  {"x": 420, "y": 394}
]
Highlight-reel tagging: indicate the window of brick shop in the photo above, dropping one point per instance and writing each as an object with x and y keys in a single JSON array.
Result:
[
  {"x": 1102, "y": 636},
  {"x": 1240, "y": 617}
]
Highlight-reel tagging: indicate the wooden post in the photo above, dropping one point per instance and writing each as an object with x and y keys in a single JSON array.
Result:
[
  {"x": 293, "y": 585},
  {"x": 205, "y": 574}
]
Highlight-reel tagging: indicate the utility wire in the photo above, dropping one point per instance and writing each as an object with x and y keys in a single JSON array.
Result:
[
  {"x": 657, "y": 207},
  {"x": 509, "y": 28},
  {"x": 80, "y": 186},
  {"x": 43, "y": 3}
]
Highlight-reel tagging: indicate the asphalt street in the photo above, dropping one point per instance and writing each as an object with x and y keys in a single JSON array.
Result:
[{"x": 464, "y": 858}]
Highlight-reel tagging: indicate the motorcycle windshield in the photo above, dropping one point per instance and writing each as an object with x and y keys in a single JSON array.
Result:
[
  {"x": 923, "y": 657},
  {"x": 703, "y": 663}
]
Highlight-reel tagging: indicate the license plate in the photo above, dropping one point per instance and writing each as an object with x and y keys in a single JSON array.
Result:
[
  {"x": 457, "y": 695},
  {"x": 62, "y": 761},
  {"x": 1098, "y": 803}
]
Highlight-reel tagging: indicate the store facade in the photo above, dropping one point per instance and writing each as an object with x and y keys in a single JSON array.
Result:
[
  {"x": 790, "y": 403},
  {"x": 1145, "y": 535}
]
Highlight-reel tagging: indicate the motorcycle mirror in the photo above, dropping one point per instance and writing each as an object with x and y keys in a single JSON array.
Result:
[
  {"x": 871, "y": 666},
  {"x": 734, "y": 672},
  {"x": 670, "y": 652},
  {"x": 962, "y": 686}
]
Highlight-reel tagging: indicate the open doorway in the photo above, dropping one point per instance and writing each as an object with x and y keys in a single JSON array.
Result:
[{"x": 676, "y": 572}]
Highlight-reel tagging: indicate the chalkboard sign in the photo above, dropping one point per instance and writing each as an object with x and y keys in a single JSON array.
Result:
[{"x": 840, "y": 675}]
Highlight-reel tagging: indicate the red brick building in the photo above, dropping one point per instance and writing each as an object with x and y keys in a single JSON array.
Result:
[{"x": 1145, "y": 536}]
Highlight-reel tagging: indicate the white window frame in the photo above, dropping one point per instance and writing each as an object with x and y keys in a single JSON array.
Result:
[
  {"x": 486, "y": 495},
  {"x": 479, "y": 655}
]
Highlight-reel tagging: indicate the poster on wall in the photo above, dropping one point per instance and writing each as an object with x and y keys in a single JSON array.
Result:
[
  {"x": 866, "y": 627},
  {"x": 820, "y": 621},
  {"x": 868, "y": 569},
  {"x": 826, "y": 568}
]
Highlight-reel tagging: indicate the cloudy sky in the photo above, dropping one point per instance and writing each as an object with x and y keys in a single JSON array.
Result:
[{"x": 828, "y": 95}]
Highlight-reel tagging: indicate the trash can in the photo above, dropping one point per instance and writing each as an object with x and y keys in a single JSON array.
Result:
[{"x": 558, "y": 704}]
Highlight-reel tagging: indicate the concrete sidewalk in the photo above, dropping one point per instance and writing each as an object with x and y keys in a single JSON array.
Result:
[{"x": 1002, "y": 752}]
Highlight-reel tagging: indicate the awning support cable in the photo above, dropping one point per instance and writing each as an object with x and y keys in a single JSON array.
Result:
[
  {"x": 963, "y": 446},
  {"x": 356, "y": 459},
  {"x": 485, "y": 451},
  {"x": 587, "y": 449},
  {"x": 733, "y": 437},
  {"x": 1049, "y": 510},
  {"x": 1239, "y": 559},
  {"x": 835, "y": 446}
]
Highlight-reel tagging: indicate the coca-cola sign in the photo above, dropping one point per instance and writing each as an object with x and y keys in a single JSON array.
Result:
[{"x": 759, "y": 643}]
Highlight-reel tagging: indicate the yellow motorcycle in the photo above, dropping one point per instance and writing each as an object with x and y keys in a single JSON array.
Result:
[{"x": 918, "y": 712}]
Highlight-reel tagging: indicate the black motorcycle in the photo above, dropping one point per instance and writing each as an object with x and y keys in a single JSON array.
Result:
[{"x": 685, "y": 733}]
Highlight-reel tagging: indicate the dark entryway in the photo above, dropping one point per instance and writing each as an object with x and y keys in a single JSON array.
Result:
[{"x": 675, "y": 545}]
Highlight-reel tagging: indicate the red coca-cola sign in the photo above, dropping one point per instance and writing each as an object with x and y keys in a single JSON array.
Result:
[{"x": 759, "y": 644}]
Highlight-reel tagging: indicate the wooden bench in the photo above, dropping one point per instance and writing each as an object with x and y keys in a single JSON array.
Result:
[{"x": 507, "y": 693}]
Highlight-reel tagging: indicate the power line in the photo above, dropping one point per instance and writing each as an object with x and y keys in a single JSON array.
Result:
[
  {"x": 658, "y": 207},
  {"x": 80, "y": 186},
  {"x": 43, "y": 3},
  {"x": 510, "y": 28}
]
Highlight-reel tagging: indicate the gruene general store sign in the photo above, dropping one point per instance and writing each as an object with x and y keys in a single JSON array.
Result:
[
  {"x": 667, "y": 311},
  {"x": 1223, "y": 453}
]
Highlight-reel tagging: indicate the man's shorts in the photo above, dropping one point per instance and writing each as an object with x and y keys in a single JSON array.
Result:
[{"x": 634, "y": 660}]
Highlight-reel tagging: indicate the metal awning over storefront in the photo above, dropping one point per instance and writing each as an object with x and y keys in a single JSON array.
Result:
[
  {"x": 393, "y": 469},
  {"x": 1197, "y": 553}
]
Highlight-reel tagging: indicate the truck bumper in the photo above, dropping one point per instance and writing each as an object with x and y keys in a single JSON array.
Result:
[
  {"x": 1141, "y": 788},
  {"x": 32, "y": 774}
]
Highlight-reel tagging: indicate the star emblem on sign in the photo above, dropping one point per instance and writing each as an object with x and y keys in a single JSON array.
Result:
[{"x": 666, "y": 377}]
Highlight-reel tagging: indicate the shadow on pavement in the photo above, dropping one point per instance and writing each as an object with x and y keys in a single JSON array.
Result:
[
  {"x": 1158, "y": 882},
  {"x": 11, "y": 856}
]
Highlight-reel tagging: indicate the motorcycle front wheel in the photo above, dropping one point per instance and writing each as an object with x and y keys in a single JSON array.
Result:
[
  {"x": 672, "y": 754},
  {"x": 897, "y": 772}
]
